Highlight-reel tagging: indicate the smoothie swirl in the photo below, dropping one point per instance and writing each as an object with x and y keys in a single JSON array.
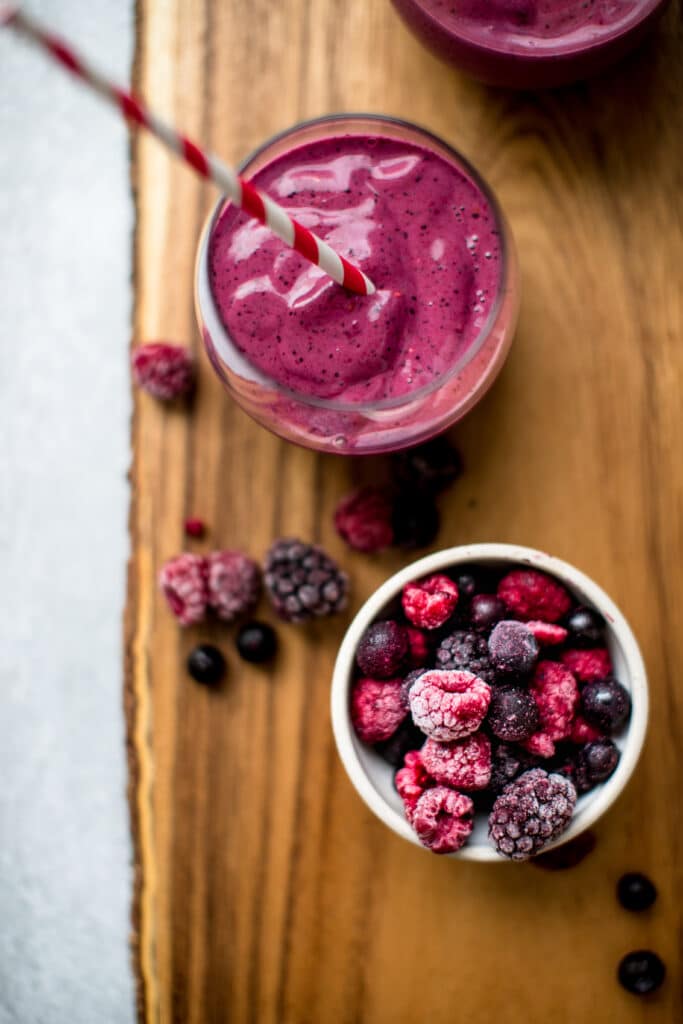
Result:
[{"x": 421, "y": 230}]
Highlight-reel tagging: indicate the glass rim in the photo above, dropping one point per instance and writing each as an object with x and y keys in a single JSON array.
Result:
[{"x": 394, "y": 402}]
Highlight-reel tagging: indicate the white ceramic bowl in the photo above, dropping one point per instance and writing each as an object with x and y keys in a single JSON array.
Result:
[{"x": 373, "y": 777}]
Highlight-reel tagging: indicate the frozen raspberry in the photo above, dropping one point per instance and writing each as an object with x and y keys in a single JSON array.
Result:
[
  {"x": 183, "y": 584},
  {"x": 415, "y": 520},
  {"x": 606, "y": 704},
  {"x": 376, "y": 708},
  {"x": 507, "y": 762},
  {"x": 554, "y": 689},
  {"x": 430, "y": 602},
  {"x": 449, "y": 705},
  {"x": 540, "y": 745},
  {"x": 363, "y": 520},
  {"x": 588, "y": 664},
  {"x": 486, "y": 610},
  {"x": 513, "y": 648},
  {"x": 411, "y": 781},
  {"x": 194, "y": 527},
  {"x": 594, "y": 763},
  {"x": 233, "y": 583},
  {"x": 406, "y": 738},
  {"x": 466, "y": 651},
  {"x": 443, "y": 819},
  {"x": 464, "y": 764},
  {"x": 586, "y": 627},
  {"x": 583, "y": 731},
  {"x": 407, "y": 683},
  {"x": 533, "y": 595},
  {"x": 547, "y": 633},
  {"x": 513, "y": 714},
  {"x": 418, "y": 647},
  {"x": 530, "y": 812},
  {"x": 431, "y": 467},
  {"x": 303, "y": 582},
  {"x": 382, "y": 650},
  {"x": 162, "y": 370}
]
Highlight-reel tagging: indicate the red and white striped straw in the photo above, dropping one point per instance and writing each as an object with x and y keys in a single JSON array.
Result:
[{"x": 241, "y": 192}]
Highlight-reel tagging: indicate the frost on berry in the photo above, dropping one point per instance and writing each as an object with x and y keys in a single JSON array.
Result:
[
  {"x": 463, "y": 764},
  {"x": 364, "y": 519},
  {"x": 587, "y": 665},
  {"x": 162, "y": 370},
  {"x": 233, "y": 583},
  {"x": 449, "y": 705},
  {"x": 382, "y": 649},
  {"x": 429, "y": 603},
  {"x": 377, "y": 708},
  {"x": 531, "y": 812},
  {"x": 183, "y": 583},
  {"x": 556, "y": 693},
  {"x": 443, "y": 819},
  {"x": 530, "y": 594}
]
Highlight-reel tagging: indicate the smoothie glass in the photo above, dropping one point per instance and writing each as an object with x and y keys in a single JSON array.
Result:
[
  {"x": 530, "y": 44},
  {"x": 384, "y": 424}
]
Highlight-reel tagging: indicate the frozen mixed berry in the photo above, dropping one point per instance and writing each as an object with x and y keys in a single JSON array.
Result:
[
  {"x": 382, "y": 650},
  {"x": 430, "y": 602},
  {"x": 588, "y": 664},
  {"x": 636, "y": 892},
  {"x": 376, "y": 708},
  {"x": 411, "y": 781},
  {"x": 531, "y": 812},
  {"x": 303, "y": 582},
  {"x": 606, "y": 704},
  {"x": 583, "y": 731},
  {"x": 364, "y": 519},
  {"x": 513, "y": 648},
  {"x": 407, "y": 684},
  {"x": 443, "y": 819},
  {"x": 183, "y": 583},
  {"x": 206, "y": 664},
  {"x": 418, "y": 647},
  {"x": 162, "y": 370},
  {"x": 556, "y": 693},
  {"x": 233, "y": 582},
  {"x": 406, "y": 738},
  {"x": 507, "y": 762},
  {"x": 547, "y": 633},
  {"x": 257, "y": 642},
  {"x": 430, "y": 467},
  {"x": 463, "y": 764},
  {"x": 641, "y": 972},
  {"x": 586, "y": 627},
  {"x": 594, "y": 763},
  {"x": 195, "y": 527},
  {"x": 513, "y": 715},
  {"x": 467, "y": 651},
  {"x": 415, "y": 520},
  {"x": 530, "y": 594},
  {"x": 448, "y": 705},
  {"x": 486, "y": 610}
]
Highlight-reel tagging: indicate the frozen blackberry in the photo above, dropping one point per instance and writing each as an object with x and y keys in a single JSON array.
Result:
[
  {"x": 513, "y": 648},
  {"x": 513, "y": 715},
  {"x": 530, "y": 812},
  {"x": 594, "y": 763},
  {"x": 382, "y": 650},
  {"x": 467, "y": 651},
  {"x": 406, "y": 738},
  {"x": 586, "y": 627},
  {"x": 606, "y": 704},
  {"x": 303, "y": 582},
  {"x": 507, "y": 762},
  {"x": 431, "y": 467}
]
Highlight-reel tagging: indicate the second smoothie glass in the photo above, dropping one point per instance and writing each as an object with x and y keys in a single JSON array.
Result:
[{"x": 383, "y": 425}]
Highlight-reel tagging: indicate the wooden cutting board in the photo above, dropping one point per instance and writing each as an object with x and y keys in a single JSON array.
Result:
[{"x": 264, "y": 890}]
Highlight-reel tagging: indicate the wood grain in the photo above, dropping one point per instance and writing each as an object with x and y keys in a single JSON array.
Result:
[{"x": 265, "y": 891}]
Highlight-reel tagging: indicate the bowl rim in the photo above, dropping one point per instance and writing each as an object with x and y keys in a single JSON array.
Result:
[{"x": 603, "y": 797}]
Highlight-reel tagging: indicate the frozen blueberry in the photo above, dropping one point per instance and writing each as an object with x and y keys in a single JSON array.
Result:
[
  {"x": 513, "y": 715},
  {"x": 595, "y": 762},
  {"x": 636, "y": 892},
  {"x": 382, "y": 650},
  {"x": 407, "y": 737},
  {"x": 486, "y": 610},
  {"x": 585, "y": 627},
  {"x": 606, "y": 704},
  {"x": 513, "y": 647},
  {"x": 257, "y": 642},
  {"x": 206, "y": 664},
  {"x": 415, "y": 520},
  {"x": 641, "y": 972}
]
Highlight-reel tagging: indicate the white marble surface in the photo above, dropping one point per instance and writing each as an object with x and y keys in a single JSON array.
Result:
[{"x": 65, "y": 262}]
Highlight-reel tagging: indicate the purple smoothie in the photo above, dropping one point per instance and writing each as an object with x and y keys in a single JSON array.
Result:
[
  {"x": 422, "y": 231},
  {"x": 528, "y": 43}
]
